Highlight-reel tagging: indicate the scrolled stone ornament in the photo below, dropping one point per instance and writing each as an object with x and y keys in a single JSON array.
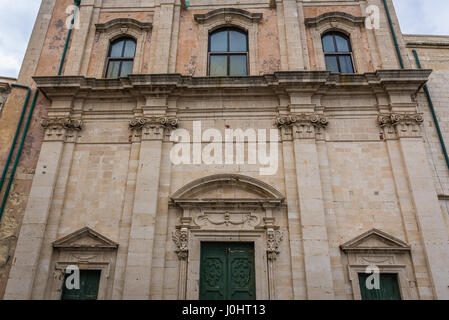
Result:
[{"x": 62, "y": 123}]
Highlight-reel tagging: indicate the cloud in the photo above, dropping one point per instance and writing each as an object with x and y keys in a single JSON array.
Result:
[
  {"x": 423, "y": 17},
  {"x": 17, "y": 20},
  {"x": 16, "y": 23}
]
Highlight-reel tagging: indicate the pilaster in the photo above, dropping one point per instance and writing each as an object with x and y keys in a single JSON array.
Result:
[
  {"x": 304, "y": 129},
  {"x": 294, "y": 226},
  {"x": 140, "y": 252},
  {"x": 163, "y": 37},
  {"x": 58, "y": 130},
  {"x": 406, "y": 129}
]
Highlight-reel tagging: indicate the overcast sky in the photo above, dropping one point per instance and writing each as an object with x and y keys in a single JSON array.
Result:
[{"x": 17, "y": 19}]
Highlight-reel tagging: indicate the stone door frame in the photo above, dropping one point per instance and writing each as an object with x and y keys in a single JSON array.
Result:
[
  {"x": 256, "y": 237},
  {"x": 227, "y": 220}
]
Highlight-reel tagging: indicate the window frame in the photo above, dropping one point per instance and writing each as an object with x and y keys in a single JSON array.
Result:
[
  {"x": 228, "y": 54},
  {"x": 122, "y": 59},
  {"x": 336, "y": 53}
]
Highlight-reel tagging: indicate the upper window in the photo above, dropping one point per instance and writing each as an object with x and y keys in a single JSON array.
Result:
[
  {"x": 228, "y": 53},
  {"x": 121, "y": 58},
  {"x": 338, "y": 53}
]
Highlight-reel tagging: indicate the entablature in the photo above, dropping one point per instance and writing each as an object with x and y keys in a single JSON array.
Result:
[{"x": 392, "y": 82}]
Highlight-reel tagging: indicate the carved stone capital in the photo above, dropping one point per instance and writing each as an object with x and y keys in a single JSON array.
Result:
[
  {"x": 303, "y": 126},
  {"x": 274, "y": 239},
  {"x": 402, "y": 125},
  {"x": 181, "y": 239},
  {"x": 153, "y": 128},
  {"x": 60, "y": 128}
]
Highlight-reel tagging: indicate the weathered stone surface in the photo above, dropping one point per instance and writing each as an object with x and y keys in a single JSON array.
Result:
[{"x": 361, "y": 177}]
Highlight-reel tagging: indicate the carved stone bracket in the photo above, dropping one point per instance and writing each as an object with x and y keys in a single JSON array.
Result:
[
  {"x": 301, "y": 126},
  {"x": 401, "y": 125},
  {"x": 153, "y": 128},
  {"x": 181, "y": 239},
  {"x": 59, "y": 128},
  {"x": 274, "y": 239}
]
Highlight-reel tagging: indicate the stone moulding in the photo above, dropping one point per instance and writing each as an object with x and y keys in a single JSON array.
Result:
[
  {"x": 316, "y": 120},
  {"x": 123, "y": 22},
  {"x": 246, "y": 219},
  {"x": 334, "y": 16},
  {"x": 167, "y": 83},
  {"x": 62, "y": 123},
  {"x": 271, "y": 194},
  {"x": 228, "y": 13}
]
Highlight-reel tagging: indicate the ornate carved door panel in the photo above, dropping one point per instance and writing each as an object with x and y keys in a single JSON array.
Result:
[{"x": 227, "y": 271}]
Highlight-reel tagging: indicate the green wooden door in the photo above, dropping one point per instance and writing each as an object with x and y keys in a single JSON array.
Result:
[
  {"x": 389, "y": 287},
  {"x": 89, "y": 283},
  {"x": 227, "y": 271}
]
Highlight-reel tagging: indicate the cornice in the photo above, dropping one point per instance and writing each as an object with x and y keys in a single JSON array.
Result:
[{"x": 141, "y": 84}]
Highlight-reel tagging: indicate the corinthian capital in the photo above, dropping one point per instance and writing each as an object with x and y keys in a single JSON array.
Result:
[
  {"x": 62, "y": 123},
  {"x": 59, "y": 128},
  {"x": 153, "y": 128},
  {"x": 302, "y": 126},
  {"x": 401, "y": 124}
]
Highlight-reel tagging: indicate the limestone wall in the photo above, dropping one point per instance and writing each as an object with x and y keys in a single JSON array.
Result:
[{"x": 340, "y": 182}]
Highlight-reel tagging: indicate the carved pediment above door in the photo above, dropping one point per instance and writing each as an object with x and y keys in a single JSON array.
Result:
[
  {"x": 377, "y": 241},
  {"x": 228, "y": 201},
  {"x": 227, "y": 208},
  {"x": 85, "y": 239},
  {"x": 230, "y": 187},
  {"x": 377, "y": 251}
]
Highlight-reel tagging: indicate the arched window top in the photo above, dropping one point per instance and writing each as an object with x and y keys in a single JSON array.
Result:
[
  {"x": 121, "y": 57},
  {"x": 335, "y": 41},
  {"x": 228, "y": 52},
  {"x": 228, "y": 40},
  {"x": 338, "y": 52},
  {"x": 123, "y": 47}
]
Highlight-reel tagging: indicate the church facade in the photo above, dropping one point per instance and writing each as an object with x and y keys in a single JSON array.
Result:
[{"x": 278, "y": 149}]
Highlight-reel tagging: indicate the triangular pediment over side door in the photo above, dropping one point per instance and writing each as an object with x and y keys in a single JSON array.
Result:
[
  {"x": 375, "y": 240},
  {"x": 85, "y": 238}
]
